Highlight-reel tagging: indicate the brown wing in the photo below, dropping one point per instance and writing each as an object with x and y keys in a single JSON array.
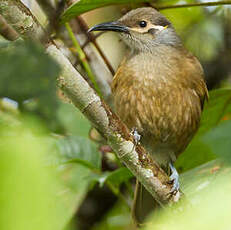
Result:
[
  {"x": 196, "y": 90},
  {"x": 197, "y": 78}
]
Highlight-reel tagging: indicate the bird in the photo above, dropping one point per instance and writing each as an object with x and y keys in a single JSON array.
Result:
[{"x": 159, "y": 91}]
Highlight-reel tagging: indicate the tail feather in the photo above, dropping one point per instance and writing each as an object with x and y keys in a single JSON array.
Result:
[{"x": 143, "y": 204}]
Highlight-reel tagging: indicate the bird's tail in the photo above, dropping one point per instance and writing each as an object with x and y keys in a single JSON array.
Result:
[{"x": 143, "y": 204}]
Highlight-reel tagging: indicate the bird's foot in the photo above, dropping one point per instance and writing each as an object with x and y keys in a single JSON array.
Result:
[
  {"x": 174, "y": 178},
  {"x": 136, "y": 135}
]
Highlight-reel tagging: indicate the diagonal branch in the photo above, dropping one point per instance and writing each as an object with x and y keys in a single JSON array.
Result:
[
  {"x": 94, "y": 109},
  {"x": 7, "y": 31},
  {"x": 92, "y": 38}
]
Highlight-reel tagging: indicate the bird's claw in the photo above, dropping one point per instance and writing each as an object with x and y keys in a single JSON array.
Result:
[
  {"x": 136, "y": 135},
  {"x": 174, "y": 179}
]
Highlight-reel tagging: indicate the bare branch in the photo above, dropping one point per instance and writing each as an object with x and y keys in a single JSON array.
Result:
[
  {"x": 92, "y": 38},
  {"x": 102, "y": 118},
  {"x": 95, "y": 37},
  {"x": 23, "y": 21}
]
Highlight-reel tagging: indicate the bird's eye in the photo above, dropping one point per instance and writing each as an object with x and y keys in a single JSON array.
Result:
[{"x": 143, "y": 24}]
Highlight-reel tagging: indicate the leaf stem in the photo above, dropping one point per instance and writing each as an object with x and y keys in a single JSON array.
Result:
[{"x": 82, "y": 58}]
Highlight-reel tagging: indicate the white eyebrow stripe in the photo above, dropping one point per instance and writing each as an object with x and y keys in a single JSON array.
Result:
[
  {"x": 149, "y": 26},
  {"x": 158, "y": 27}
]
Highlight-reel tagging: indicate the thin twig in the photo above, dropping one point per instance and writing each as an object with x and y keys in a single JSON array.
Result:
[
  {"x": 98, "y": 66},
  {"x": 95, "y": 36},
  {"x": 193, "y": 5},
  {"x": 92, "y": 38},
  {"x": 82, "y": 58}
]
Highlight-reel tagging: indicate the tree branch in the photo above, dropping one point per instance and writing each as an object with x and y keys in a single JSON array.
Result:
[
  {"x": 7, "y": 31},
  {"x": 102, "y": 118},
  {"x": 95, "y": 37}
]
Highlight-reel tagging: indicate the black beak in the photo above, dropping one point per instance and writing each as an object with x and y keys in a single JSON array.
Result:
[{"x": 110, "y": 26}]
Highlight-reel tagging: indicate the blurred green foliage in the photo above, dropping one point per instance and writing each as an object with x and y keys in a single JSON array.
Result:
[
  {"x": 79, "y": 150},
  {"x": 33, "y": 195},
  {"x": 38, "y": 69},
  {"x": 39, "y": 189},
  {"x": 210, "y": 201}
]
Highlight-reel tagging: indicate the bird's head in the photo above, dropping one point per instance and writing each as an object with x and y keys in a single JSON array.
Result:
[{"x": 142, "y": 29}]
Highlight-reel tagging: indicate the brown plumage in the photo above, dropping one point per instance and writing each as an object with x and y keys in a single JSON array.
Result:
[
  {"x": 162, "y": 96},
  {"x": 158, "y": 88}
]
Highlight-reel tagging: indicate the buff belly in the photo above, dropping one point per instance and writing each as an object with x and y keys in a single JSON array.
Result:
[{"x": 166, "y": 120}]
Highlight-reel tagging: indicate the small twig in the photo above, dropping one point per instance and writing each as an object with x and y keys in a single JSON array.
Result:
[
  {"x": 193, "y": 5},
  {"x": 82, "y": 58},
  {"x": 7, "y": 31},
  {"x": 101, "y": 72},
  {"x": 92, "y": 38},
  {"x": 95, "y": 36}
]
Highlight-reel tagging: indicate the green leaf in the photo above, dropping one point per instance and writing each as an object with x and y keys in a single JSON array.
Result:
[
  {"x": 117, "y": 218},
  {"x": 219, "y": 140},
  {"x": 116, "y": 178},
  {"x": 42, "y": 196},
  {"x": 28, "y": 76},
  {"x": 216, "y": 108},
  {"x": 73, "y": 120},
  {"x": 83, "y": 6},
  {"x": 27, "y": 187},
  {"x": 27, "y": 72},
  {"x": 197, "y": 153},
  {"x": 119, "y": 176},
  {"x": 208, "y": 200},
  {"x": 77, "y": 150},
  {"x": 193, "y": 180}
]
